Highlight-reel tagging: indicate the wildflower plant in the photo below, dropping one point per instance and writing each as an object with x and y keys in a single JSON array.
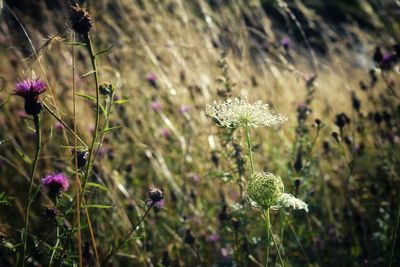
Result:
[{"x": 265, "y": 190}]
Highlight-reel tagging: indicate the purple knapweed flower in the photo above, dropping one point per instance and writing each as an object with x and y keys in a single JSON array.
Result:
[
  {"x": 157, "y": 205},
  {"x": 193, "y": 176},
  {"x": 184, "y": 109},
  {"x": 56, "y": 183},
  {"x": 165, "y": 132},
  {"x": 285, "y": 42},
  {"x": 59, "y": 127},
  {"x": 29, "y": 88},
  {"x": 152, "y": 79},
  {"x": 156, "y": 106},
  {"x": 30, "y": 91},
  {"x": 388, "y": 61},
  {"x": 213, "y": 238}
]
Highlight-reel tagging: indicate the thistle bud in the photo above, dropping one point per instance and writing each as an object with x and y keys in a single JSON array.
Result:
[
  {"x": 356, "y": 102},
  {"x": 155, "y": 195},
  {"x": 342, "y": 120},
  {"x": 235, "y": 223},
  {"x": 82, "y": 156},
  {"x": 335, "y": 136},
  {"x": 189, "y": 238},
  {"x": 106, "y": 89},
  {"x": 81, "y": 20},
  {"x": 265, "y": 189},
  {"x": 298, "y": 165},
  {"x": 50, "y": 213}
]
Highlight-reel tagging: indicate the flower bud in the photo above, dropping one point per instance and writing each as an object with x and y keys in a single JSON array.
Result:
[
  {"x": 265, "y": 189},
  {"x": 82, "y": 156},
  {"x": 81, "y": 20},
  {"x": 155, "y": 195}
]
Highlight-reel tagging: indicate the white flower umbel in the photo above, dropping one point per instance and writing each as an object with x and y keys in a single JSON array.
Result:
[
  {"x": 240, "y": 113},
  {"x": 289, "y": 201}
]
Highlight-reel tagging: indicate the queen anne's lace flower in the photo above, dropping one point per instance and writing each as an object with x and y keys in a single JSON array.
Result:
[
  {"x": 289, "y": 201},
  {"x": 265, "y": 190},
  {"x": 239, "y": 113}
]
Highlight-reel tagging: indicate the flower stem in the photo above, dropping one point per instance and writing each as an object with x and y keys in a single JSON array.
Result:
[
  {"x": 250, "y": 148},
  {"x": 276, "y": 247},
  {"x": 92, "y": 145},
  {"x": 96, "y": 127},
  {"x": 37, "y": 121},
  {"x": 77, "y": 180},
  {"x": 112, "y": 253},
  {"x": 395, "y": 235},
  {"x": 58, "y": 238},
  {"x": 267, "y": 225}
]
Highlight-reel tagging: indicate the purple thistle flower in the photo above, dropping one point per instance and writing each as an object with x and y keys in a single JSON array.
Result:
[
  {"x": 56, "y": 183},
  {"x": 156, "y": 106},
  {"x": 388, "y": 61},
  {"x": 30, "y": 91},
  {"x": 165, "y": 132},
  {"x": 285, "y": 42},
  {"x": 152, "y": 79},
  {"x": 213, "y": 238},
  {"x": 29, "y": 88},
  {"x": 193, "y": 176},
  {"x": 184, "y": 109},
  {"x": 59, "y": 127}
]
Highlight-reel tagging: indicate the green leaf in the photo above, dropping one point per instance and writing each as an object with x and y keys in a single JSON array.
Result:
[
  {"x": 102, "y": 187},
  {"x": 87, "y": 97},
  {"x": 4, "y": 102},
  {"x": 97, "y": 206},
  {"x": 75, "y": 43},
  {"x": 121, "y": 101},
  {"x": 72, "y": 147},
  {"x": 104, "y": 51},
  {"x": 88, "y": 73},
  {"x": 110, "y": 129},
  {"x": 22, "y": 154},
  {"x": 5, "y": 200}
]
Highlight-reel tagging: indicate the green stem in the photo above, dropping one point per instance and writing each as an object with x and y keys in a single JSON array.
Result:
[
  {"x": 96, "y": 127},
  {"x": 250, "y": 149},
  {"x": 37, "y": 121},
  {"x": 276, "y": 247},
  {"x": 395, "y": 235},
  {"x": 112, "y": 253},
  {"x": 58, "y": 238},
  {"x": 267, "y": 225},
  {"x": 92, "y": 145}
]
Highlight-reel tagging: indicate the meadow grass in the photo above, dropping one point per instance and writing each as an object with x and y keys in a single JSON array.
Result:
[{"x": 158, "y": 175}]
